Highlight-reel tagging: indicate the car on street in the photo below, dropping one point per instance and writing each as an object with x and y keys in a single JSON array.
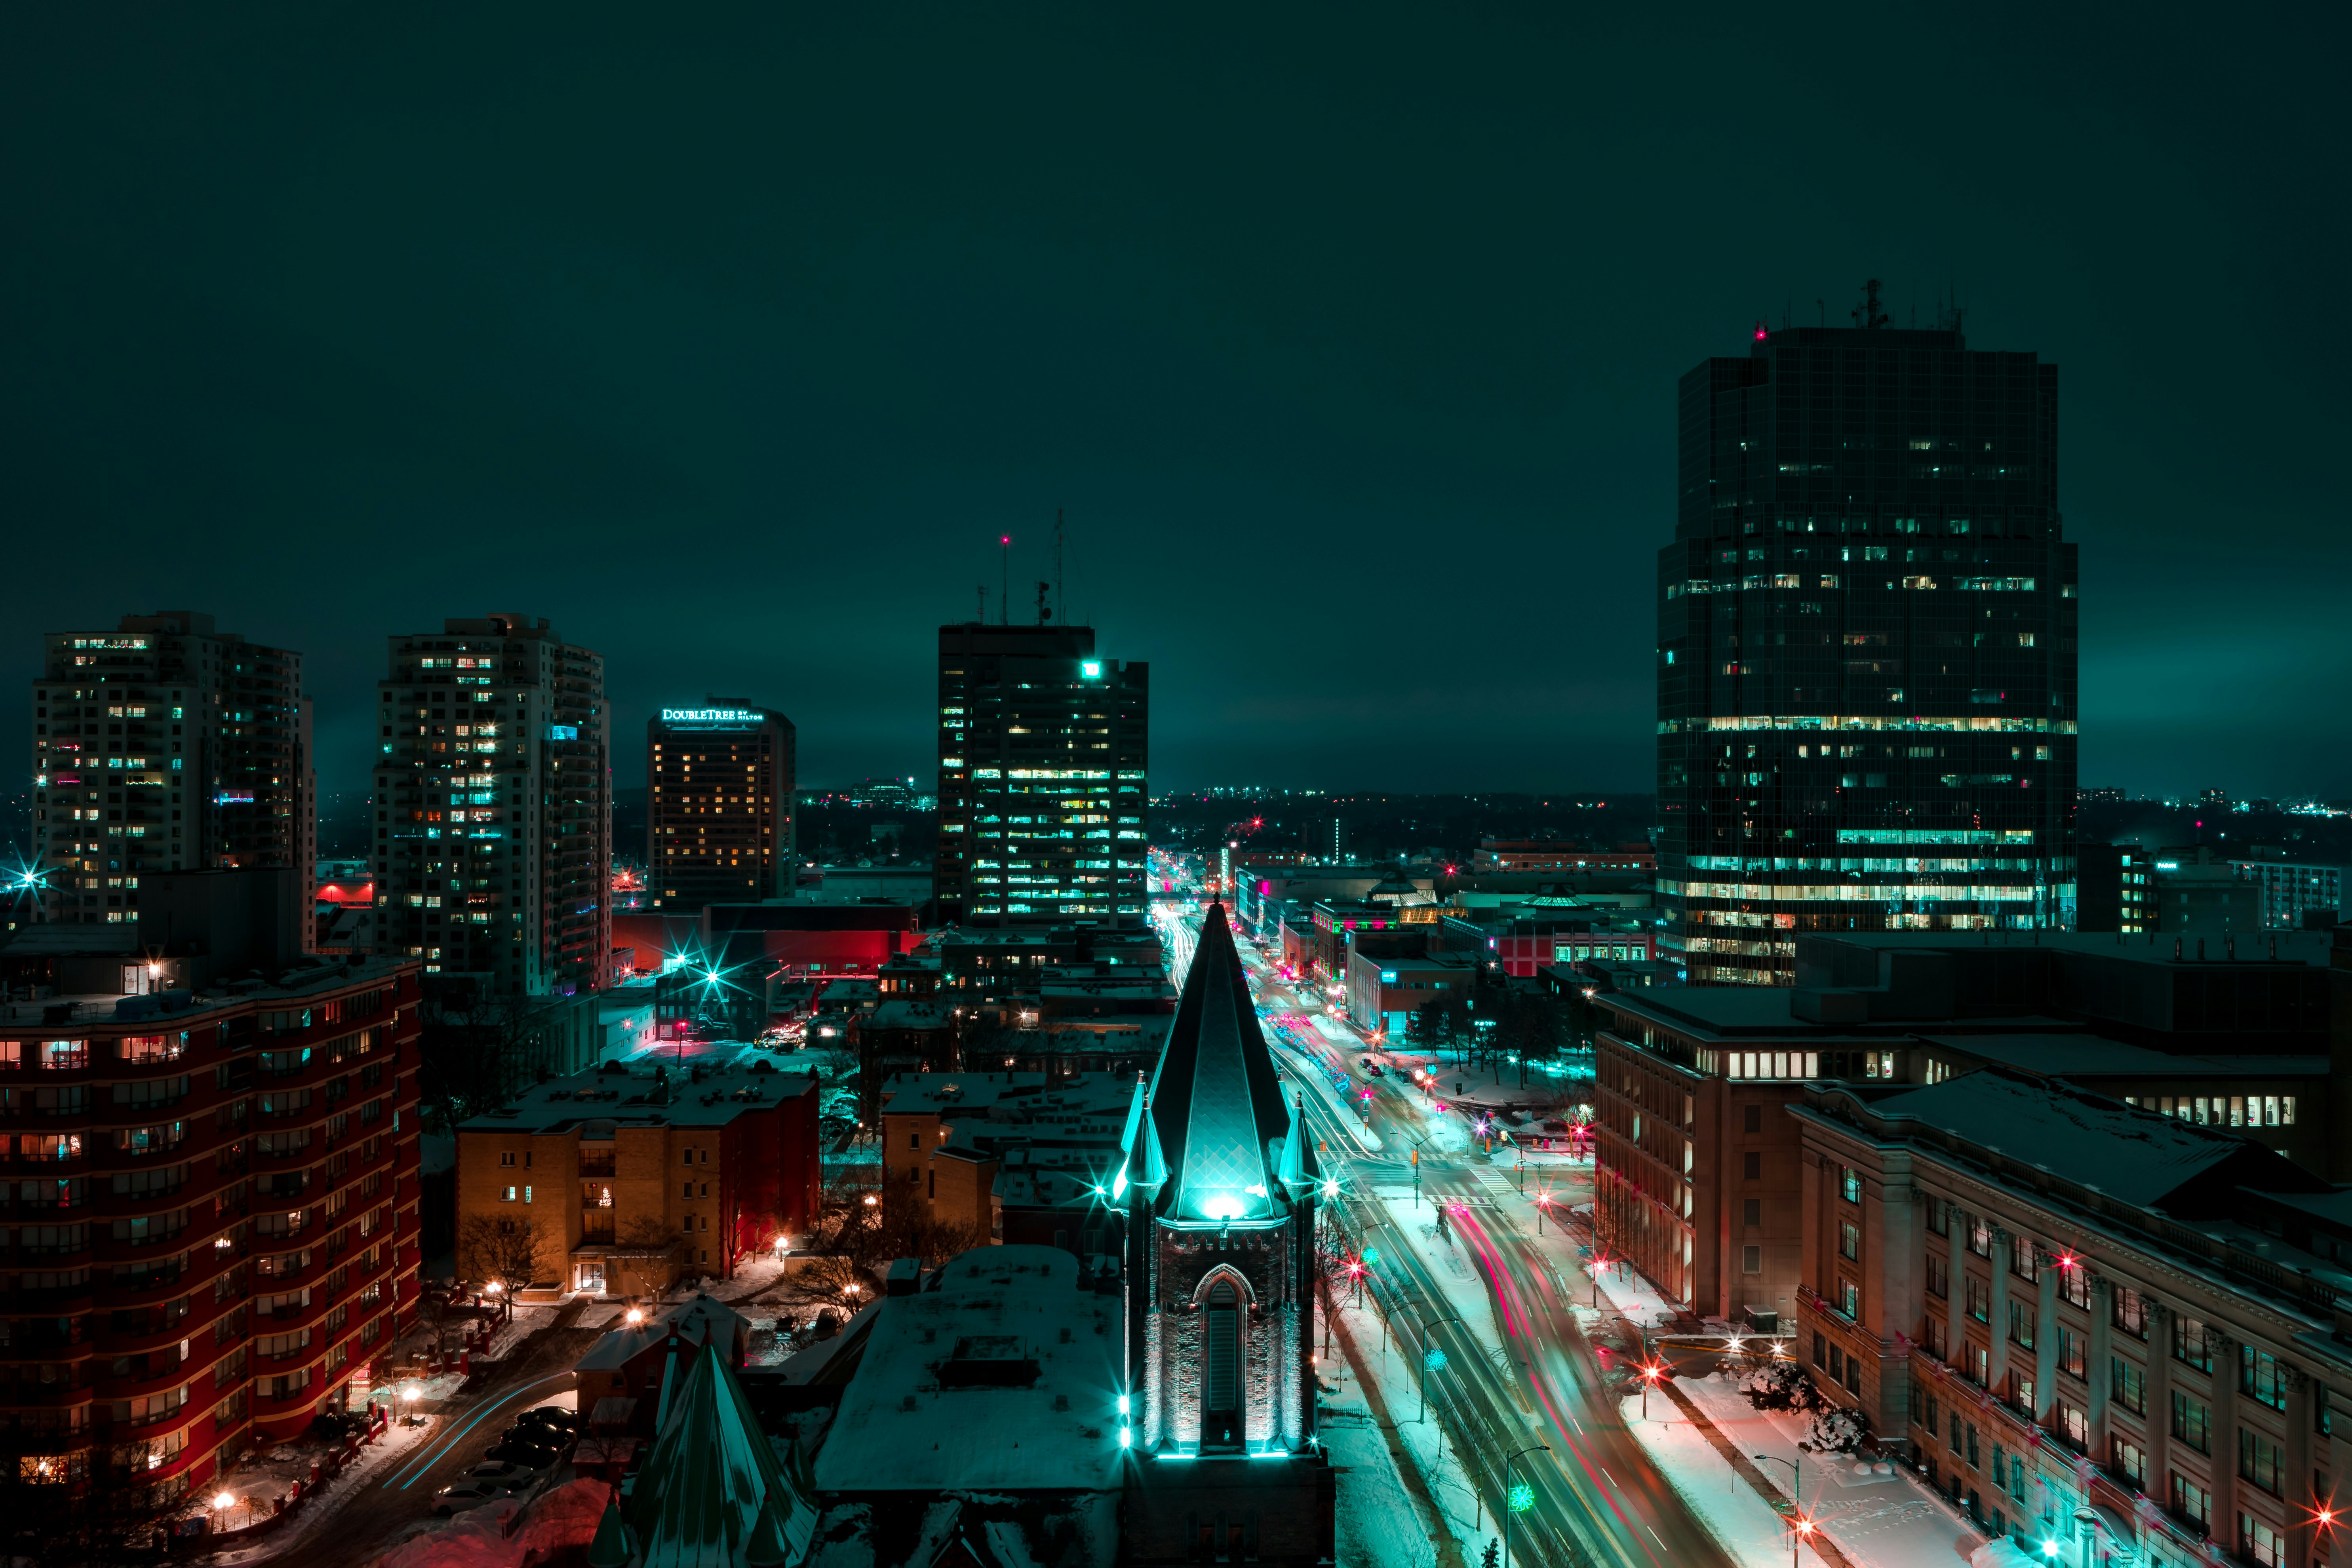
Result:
[
  {"x": 530, "y": 1449},
  {"x": 511, "y": 1475},
  {"x": 464, "y": 1495},
  {"x": 553, "y": 1416}
]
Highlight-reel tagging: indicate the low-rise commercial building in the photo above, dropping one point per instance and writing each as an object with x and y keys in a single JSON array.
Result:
[
  {"x": 621, "y": 1183},
  {"x": 1697, "y": 1178},
  {"x": 2082, "y": 1319}
]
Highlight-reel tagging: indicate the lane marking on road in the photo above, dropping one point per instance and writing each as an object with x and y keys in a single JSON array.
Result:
[{"x": 417, "y": 1468}]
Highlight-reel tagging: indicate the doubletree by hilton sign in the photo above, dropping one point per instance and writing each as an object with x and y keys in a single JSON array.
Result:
[{"x": 713, "y": 716}]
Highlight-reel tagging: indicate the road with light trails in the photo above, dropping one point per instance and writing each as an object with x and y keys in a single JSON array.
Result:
[{"x": 1599, "y": 1487}]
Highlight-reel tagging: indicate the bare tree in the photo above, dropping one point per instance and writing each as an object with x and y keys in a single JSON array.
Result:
[
  {"x": 818, "y": 1283},
  {"x": 501, "y": 1248}
]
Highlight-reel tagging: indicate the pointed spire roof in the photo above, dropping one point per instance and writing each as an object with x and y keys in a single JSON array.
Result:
[
  {"x": 1296, "y": 1177},
  {"x": 613, "y": 1547},
  {"x": 1215, "y": 1099},
  {"x": 712, "y": 1479}
]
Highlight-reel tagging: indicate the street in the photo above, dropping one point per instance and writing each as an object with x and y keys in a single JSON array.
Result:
[
  {"x": 1596, "y": 1486},
  {"x": 366, "y": 1522}
]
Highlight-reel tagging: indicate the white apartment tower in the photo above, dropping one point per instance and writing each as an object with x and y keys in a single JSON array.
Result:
[
  {"x": 493, "y": 808},
  {"x": 165, "y": 745}
]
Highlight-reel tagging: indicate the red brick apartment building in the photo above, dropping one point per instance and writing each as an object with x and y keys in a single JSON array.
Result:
[{"x": 212, "y": 1210}]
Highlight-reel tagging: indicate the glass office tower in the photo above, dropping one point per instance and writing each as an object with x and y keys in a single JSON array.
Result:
[
  {"x": 1867, "y": 647},
  {"x": 1043, "y": 754}
]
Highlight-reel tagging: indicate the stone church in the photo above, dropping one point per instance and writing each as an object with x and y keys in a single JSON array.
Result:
[{"x": 1220, "y": 1189}]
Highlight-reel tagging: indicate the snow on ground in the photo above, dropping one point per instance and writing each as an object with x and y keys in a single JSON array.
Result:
[
  {"x": 257, "y": 1482},
  {"x": 1350, "y": 1117},
  {"x": 558, "y": 1524},
  {"x": 1451, "y": 1266},
  {"x": 1886, "y": 1520},
  {"x": 1747, "y": 1526},
  {"x": 1392, "y": 1371},
  {"x": 1379, "y": 1524}
]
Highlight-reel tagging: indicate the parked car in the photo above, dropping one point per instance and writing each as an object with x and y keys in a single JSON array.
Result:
[
  {"x": 554, "y": 1417},
  {"x": 468, "y": 1494},
  {"x": 528, "y": 1449},
  {"x": 507, "y": 1474}
]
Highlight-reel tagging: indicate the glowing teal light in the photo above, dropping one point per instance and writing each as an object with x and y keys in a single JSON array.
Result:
[
  {"x": 1522, "y": 1497},
  {"x": 1435, "y": 1359},
  {"x": 1371, "y": 1256}
]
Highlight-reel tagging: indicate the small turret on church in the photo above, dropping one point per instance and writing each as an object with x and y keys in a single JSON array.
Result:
[{"x": 1219, "y": 1184}]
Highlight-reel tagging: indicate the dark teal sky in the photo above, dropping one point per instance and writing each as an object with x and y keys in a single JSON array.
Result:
[{"x": 1348, "y": 337}]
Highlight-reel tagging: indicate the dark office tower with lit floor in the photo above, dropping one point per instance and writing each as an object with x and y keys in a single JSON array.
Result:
[
  {"x": 718, "y": 807},
  {"x": 1867, "y": 647},
  {"x": 494, "y": 809},
  {"x": 1042, "y": 753},
  {"x": 165, "y": 745}
]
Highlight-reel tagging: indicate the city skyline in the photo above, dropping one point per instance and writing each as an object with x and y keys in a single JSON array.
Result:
[{"x": 768, "y": 410}]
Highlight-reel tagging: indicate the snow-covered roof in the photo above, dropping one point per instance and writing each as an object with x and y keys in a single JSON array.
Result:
[
  {"x": 633, "y": 1099},
  {"x": 2088, "y": 1056},
  {"x": 2132, "y": 1155},
  {"x": 702, "y": 1321},
  {"x": 1002, "y": 1377}
]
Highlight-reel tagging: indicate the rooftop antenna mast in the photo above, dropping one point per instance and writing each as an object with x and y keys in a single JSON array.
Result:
[
  {"x": 1004, "y": 580},
  {"x": 1867, "y": 315},
  {"x": 983, "y": 603},
  {"x": 1061, "y": 601}
]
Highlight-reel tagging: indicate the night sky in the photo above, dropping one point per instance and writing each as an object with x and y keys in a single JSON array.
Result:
[{"x": 1347, "y": 337}]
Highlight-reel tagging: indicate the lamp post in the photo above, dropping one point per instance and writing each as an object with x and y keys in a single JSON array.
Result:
[
  {"x": 1516, "y": 1499},
  {"x": 1432, "y": 1359},
  {"x": 1800, "y": 1527}
]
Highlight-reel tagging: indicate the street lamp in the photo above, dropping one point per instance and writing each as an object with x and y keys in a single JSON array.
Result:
[
  {"x": 1800, "y": 1527},
  {"x": 1650, "y": 1371},
  {"x": 1516, "y": 1499},
  {"x": 1433, "y": 1359}
]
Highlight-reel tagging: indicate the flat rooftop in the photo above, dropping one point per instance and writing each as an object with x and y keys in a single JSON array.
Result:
[
  {"x": 1002, "y": 1373},
  {"x": 1761, "y": 1013},
  {"x": 2089, "y": 1057},
  {"x": 639, "y": 1099},
  {"x": 97, "y": 1007}
]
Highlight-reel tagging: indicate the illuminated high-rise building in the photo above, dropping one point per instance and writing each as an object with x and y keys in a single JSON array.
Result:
[
  {"x": 1044, "y": 749},
  {"x": 1867, "y": 647},
  {"x": 165, "y": 745},
  {"x": 719, "y": 805},
  {"x": 493, "y": 808}
]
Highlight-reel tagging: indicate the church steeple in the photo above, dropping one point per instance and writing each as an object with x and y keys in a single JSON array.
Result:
[
  {"x": 1220, "y": 1185},
  {"x": 1216, "y": 1096}
]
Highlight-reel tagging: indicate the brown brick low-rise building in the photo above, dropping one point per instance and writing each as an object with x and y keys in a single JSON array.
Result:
[
  {"x": 622, "y": 1183},
  {"x": 1697, "y": 1175}
]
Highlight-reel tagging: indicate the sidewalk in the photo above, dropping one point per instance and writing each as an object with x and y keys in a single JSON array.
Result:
[
  {"x": 1383, "y": 1382},
  {"x": 255, "y": 1485}
]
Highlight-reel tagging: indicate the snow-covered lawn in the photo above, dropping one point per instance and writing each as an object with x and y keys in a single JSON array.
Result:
[
  {"x": 1888, "y": 1520},
  {"x": 1451, "y": 1266},
  {"x": 1392, "y": 1370}
]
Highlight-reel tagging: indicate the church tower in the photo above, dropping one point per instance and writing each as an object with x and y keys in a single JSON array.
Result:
[{"x": 1220, "y": 1185}]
